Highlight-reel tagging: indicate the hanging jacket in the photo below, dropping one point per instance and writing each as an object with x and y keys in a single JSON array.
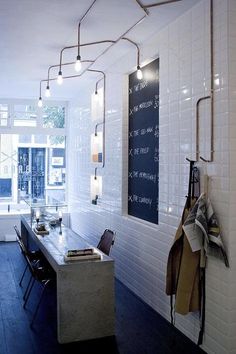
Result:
[{"x": 183, "y": 271}]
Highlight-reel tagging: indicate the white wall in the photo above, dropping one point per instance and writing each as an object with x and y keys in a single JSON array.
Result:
[
  {"x": 141, "y": 249},
  {"x": 232, "y": 159}
]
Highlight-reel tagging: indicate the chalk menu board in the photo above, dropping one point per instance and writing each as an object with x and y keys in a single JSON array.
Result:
[{"x": 143, "y": 178}]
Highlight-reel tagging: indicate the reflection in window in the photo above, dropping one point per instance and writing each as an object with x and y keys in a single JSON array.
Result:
[
  {"x": 53, "y": 117},
  {"x": 25, "y": 115}
]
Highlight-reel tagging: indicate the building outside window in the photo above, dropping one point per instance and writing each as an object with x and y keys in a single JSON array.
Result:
[{"x": 32, "y": 162}]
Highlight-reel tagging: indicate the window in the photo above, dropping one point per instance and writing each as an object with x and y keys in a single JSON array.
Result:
[
  {"x": 35, "y": 167},
  {"x": 8, "y": 159},
  {"x": 25, "y": 115},
  {"x": 54, "y": 117},
  {"x": 3, "y": 115},
  {"x": 32, "y": 157}
]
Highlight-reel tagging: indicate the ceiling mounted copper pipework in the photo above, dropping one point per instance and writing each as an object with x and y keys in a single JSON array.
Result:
[
  {"x": 145, "y": 7},
  {"x": 64, "y": 64},
  {"x": 82, "y": 18}
]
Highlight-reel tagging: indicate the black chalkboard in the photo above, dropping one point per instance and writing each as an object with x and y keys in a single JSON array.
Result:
[{"x": 143, "y": 179}]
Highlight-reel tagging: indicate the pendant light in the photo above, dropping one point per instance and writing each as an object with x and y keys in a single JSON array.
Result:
[
  {"x": 139, "y": 73},
  {"x": 47, "y": 91},
  {"x": 59, "y": 78},
  {"x": 40, "y": 102},
  {"x": 78, "y": 64}
]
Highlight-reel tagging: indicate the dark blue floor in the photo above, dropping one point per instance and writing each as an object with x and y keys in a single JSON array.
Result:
[{"x": 139, "y": 330}]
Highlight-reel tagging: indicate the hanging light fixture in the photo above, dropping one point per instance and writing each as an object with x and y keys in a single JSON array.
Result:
[
  {"x": 78, "y": 63},
  {"x": 95, "y": 187},
  {"x": 78, "y": 58},
  {"x": 47, "y": 91},
  {"x": 59, "y": 78},
  {"x": 97, "y": 146},
  {"x": 96, "y": 95},
  {"x": 139, "y": 73},
  {"x": 40, "y": 102}
]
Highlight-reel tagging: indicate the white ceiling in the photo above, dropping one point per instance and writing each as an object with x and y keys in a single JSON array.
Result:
[{"x": 32, "y": 33}]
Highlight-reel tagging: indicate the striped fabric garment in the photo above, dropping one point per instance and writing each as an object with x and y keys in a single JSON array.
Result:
[{"x": 202, "y": 230}]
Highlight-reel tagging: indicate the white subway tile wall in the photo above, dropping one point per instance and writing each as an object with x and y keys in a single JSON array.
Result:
[{"x": 141, "y": 249}]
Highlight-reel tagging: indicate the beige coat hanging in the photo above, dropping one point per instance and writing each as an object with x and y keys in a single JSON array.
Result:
[{"x": 183, "y": 273}]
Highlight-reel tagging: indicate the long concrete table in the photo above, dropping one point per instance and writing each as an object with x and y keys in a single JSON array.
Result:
[{"x": 85, "y": 289}]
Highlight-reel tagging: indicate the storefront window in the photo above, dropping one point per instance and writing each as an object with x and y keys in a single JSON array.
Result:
[
  {"x": 32, "y": 164},
  {"x": 25, "y": 115},
  {"x": 32, "y": 168},
  {"x": 54, "y": 117}
]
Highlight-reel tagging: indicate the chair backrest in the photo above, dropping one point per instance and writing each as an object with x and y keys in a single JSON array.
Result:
[
  {"x": 24, "y": 250},
  {"x": 106, "y": 242},
  {"x": 17, "y": 233},
  {"x": 20, "y": 242}
]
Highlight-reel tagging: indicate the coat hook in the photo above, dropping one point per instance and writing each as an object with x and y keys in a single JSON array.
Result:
[{"x": 205, "y": 160}]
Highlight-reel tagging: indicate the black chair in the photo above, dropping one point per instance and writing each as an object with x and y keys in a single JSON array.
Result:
[
  {"x": 40, "y": 271},
  {"x": 106, "y": 242},
  {"x": 33, "y": 256},
  {"x": 43, "y": 275}
]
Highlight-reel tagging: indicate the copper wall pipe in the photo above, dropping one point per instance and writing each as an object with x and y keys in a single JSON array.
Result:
[
  {"x": 82, "y": 18},
  {"x": 211, "y": 96},
  {"x": 197, "y": 124},
  {"x": 138, "y": 51},
  {"x": 96, "y": 85}
]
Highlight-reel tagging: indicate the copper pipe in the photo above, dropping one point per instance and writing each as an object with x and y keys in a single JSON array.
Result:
[
  {"x": 96, "y": 85},
  {"x": 104, "y": 113},
  {"x": 142, "y": 7},
  {"x": 197, "y": 123},
  {"x": 212, "y": 85},
  {"x": 98, "y": 42},
  {"x": 159, "y": 3},
  {"x": 71, "y": 63},
  {"x": 101, "y": 42},
  {"x": 82, "y": 45},
  {"x": 123, "y": 35},
  {"x": 104, "y": 100},
  {"x": 55, "y": 66},
  {"x": 82, "y": 18},
  {"x": 138, "y": 51}
]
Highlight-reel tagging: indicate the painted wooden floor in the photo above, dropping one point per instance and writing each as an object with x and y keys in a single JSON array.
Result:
[{"x": 139, "y": 330}]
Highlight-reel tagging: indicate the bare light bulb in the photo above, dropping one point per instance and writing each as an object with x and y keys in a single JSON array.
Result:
[
  {"x": 139, "y": 73},
  {"x": 78, "y": 64},
  {"x": 59, "y": 78},
  {"x": 47, "y": 92},
  {"x": 40, "y": 102},
  {"x": 96, "y": 95}
]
